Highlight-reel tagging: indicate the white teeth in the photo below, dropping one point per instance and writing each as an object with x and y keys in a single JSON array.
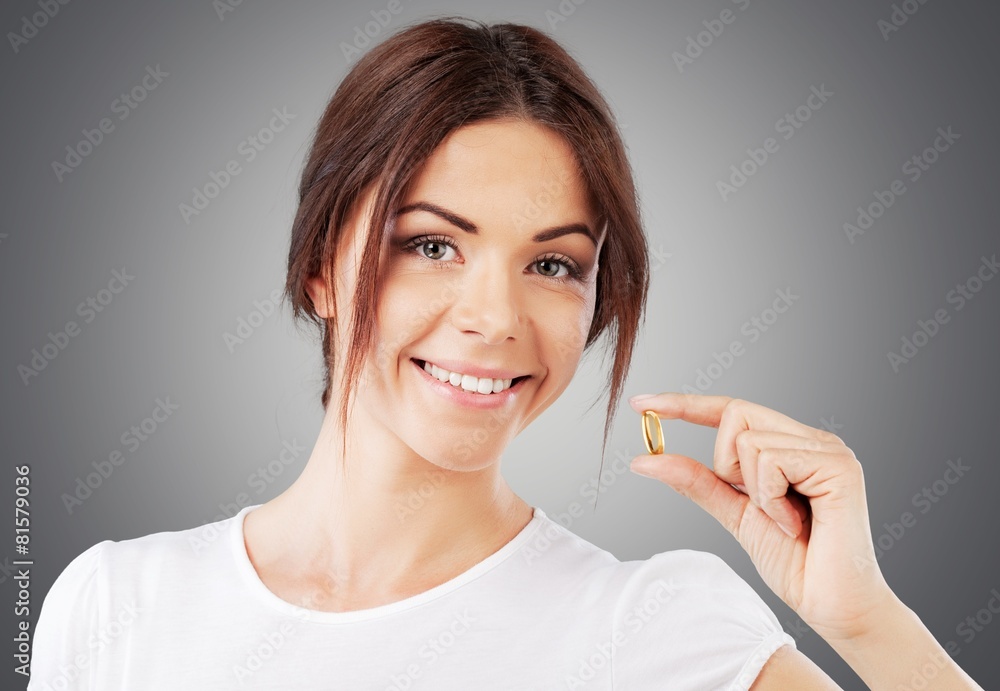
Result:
[{"x": 467, "y": 381}]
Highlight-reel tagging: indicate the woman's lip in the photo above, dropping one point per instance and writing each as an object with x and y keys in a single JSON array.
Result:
[{"x": 468, "y": 398}]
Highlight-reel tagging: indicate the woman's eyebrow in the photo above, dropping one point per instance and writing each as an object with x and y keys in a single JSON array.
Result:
[{"x": 470, "y": 227}]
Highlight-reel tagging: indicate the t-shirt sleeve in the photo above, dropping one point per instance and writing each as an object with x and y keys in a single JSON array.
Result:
[
  {"x": 63, "y": 654},
  {"x": 686, "y": 620}
]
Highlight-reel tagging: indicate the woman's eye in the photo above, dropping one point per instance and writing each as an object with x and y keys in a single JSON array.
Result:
[
  {"x": 552, "y": 265},
  {"x": 433, "y": 249}
]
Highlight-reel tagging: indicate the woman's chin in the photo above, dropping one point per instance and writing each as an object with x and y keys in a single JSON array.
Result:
[{"x": 460, "y": 457}]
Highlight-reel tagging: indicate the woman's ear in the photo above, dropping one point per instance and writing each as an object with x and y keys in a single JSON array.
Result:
[{"x": 316, "y": 289}]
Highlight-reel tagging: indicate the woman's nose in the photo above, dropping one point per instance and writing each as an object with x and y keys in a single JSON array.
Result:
[{"x": 488, "y": 303}]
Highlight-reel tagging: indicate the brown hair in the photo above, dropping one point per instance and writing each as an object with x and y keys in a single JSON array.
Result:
[{"x": 391, "y": 111}]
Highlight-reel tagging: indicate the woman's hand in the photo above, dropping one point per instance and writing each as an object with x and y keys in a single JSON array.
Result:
[{"x": 793, "y": 475}]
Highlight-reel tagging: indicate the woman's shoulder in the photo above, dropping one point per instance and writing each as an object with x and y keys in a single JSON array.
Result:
[
  {"x": 186, "y": 543},
  {"x": 117, "y": 563},
  {"x": 688, "y": 568},
  {"x": 76, "y": 584},
  {"x": 555, "y": 557},
  {"x": 559, "y": 550},
  {"x": 695, "y": 605},
  {"x": 554, "y": 542},
  {"x": 689, "y": 581},
  {"x": 681, "y": 618}
]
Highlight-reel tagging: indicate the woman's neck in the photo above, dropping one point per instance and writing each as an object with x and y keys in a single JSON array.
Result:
[{"x": 383, "y": 526}]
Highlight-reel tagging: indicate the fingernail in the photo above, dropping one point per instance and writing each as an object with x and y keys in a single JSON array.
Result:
[
  {"x": 641, "y": 397},
  {"x": 786, "y": 531}
]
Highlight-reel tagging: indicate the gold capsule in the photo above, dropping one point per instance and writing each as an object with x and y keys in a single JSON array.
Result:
[{"x": 647, "y": 436}]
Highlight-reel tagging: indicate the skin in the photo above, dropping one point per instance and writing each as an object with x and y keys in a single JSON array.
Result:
[{"x": 341, "y": 541}]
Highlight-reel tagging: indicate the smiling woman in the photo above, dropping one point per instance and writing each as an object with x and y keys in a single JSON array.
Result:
[
  {"x": 446, "y": 81},
  {"x": 467, "y": 227},
  {"x": 519, "y": 306}
]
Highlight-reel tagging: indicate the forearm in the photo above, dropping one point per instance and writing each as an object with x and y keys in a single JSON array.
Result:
[{"x": 900, "y": 652}]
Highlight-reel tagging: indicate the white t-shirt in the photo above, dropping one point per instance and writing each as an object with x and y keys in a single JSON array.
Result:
[{"x": 185, "y": 610}]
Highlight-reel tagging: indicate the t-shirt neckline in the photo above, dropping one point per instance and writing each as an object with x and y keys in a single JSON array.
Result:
[{"x": 250, "y": 576}]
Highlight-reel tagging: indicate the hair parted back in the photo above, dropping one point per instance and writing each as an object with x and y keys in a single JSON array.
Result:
[{"x": 391, "y": 111}]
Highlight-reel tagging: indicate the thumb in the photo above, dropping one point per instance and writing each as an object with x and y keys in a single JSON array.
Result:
[{"x": 698, "y": 483}]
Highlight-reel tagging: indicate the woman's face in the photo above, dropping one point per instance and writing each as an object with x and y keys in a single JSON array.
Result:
[{"x": 489, "y": 275}]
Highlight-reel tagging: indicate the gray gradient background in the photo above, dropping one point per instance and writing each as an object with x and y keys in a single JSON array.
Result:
[{"x": 823, "y": 362}]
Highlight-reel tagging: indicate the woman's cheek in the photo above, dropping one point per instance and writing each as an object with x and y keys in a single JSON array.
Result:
[
  {"x": 566, "y": 336},
  {"x": 408, "y": 308}
]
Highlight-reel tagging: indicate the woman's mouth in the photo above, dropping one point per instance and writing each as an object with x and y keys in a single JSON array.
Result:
[
  {"x": 478, "y": 392},
  {"x": 467, "y": 382}
]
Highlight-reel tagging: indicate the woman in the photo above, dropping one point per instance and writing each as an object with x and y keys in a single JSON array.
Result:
[{"x": 467, "y": 227}]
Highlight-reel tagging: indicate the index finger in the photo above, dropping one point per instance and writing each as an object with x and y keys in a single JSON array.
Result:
[{"x": 700, "y": 409}]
